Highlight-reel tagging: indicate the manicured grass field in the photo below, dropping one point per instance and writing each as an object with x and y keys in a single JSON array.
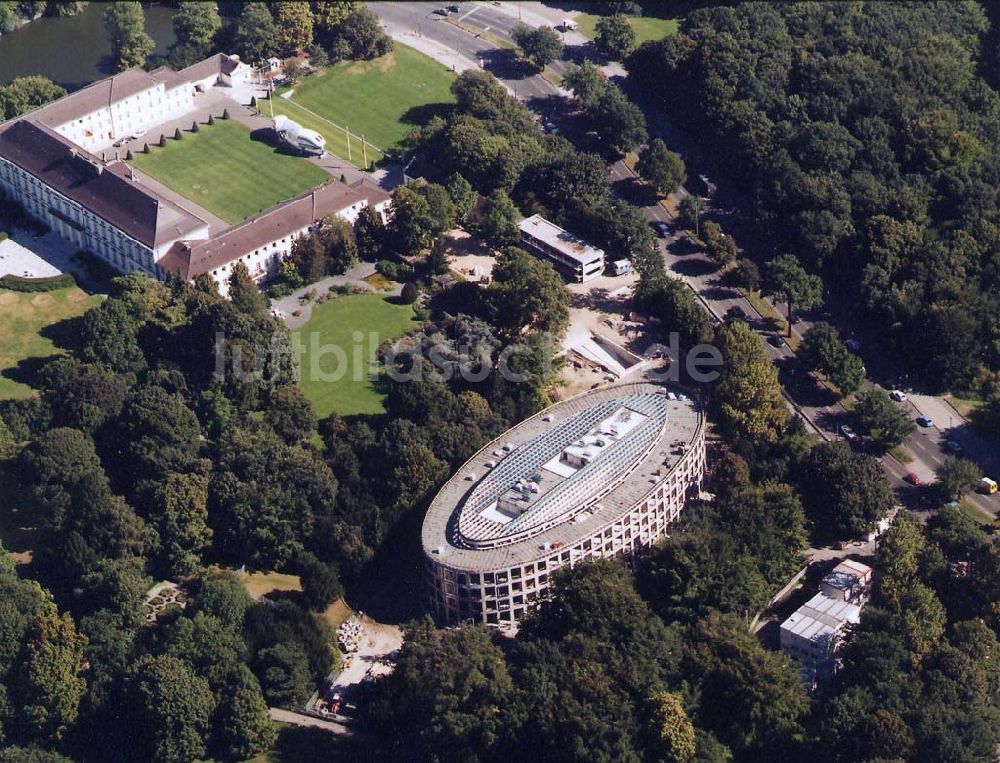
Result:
[
  {"x": 381, "y": 99},
  {"x": 336, "y": 140},
  {"x": 23, "y": 317},
  {"x": 231, "y": 175},
  {"x": 333, "y": 325},
  {"x": 260, "y": 583},
  {"x": 646, "y": 28}
]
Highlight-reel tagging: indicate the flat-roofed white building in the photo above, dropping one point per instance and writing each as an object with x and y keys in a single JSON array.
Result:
[
  {"x": 848, "y": 581},
  {"x": 812, "y": 635},
  {"x": 571, "y": 255},
  {"x": 596, "y": 476}
]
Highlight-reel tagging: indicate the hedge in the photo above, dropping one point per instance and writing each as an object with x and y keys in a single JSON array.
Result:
[{"x": 47, "y": 283}]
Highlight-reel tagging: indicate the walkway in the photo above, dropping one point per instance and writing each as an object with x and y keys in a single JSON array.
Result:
[
  {"x": 353, "y": 277},
  {"x": 308, "y": 721}
]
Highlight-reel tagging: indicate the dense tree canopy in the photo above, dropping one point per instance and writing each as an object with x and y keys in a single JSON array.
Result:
[
  {"x": 125, "y": 24},
  {"x": 866, "y": 136}
]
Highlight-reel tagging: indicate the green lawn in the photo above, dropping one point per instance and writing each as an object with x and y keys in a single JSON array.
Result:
[
  {"x": 381, "y": 99},
  {"x": 222, "y": 169},
  {"x": 336, "y": 140},
  {"x": 646, "y": 28},
  {"x": 333, "y": 325},
  {"x": 23, "y": 317}
]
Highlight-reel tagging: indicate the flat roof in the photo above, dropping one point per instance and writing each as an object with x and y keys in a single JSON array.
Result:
[
  {"x": 565, "y": 242},
  {"x": 474, "y": 531},
  {"x": 821, "y": 617}
]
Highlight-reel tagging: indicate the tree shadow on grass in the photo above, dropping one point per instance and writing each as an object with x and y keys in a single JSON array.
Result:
[
  {"x": 64, "y": 334},
  {"x": 420, "y": 115},
  {"x": 270, "y": 138},
  {"x": 27, "y": 370}
]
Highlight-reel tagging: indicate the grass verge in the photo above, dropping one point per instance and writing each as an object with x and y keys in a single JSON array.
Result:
[
  {"x": 646, "y": 28},
  {"x": 901, "y": 454},
  {"x": 228, "y": 172},
  {"x": 339, "y": 370}
]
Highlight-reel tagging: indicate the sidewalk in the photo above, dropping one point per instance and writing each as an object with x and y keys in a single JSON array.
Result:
[{"x": 440, "y": 53}]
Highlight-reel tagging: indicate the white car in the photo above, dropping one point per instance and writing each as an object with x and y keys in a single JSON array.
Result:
[{"x": 898, "y": 395}]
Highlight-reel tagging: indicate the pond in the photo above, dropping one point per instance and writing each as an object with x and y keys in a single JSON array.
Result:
[{"x": 74, "y": 51}]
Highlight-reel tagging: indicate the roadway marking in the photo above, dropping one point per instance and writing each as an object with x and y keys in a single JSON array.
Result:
[{"x": 474, "y": 9}]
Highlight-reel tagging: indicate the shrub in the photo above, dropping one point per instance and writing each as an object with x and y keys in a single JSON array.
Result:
[
  {"x": 343, "y": 178},
  {"x": 128, "y": 155},
  {"x": 409, "y": 294},
  {"x": 225, "y": 113},
  {"x": 253, "y": 102},
  {"x": 33, "y": 285},
  {"x": 194, "y": 126},
  {"x": 177, "y": 134},
  {"x": 163, "y": 140},
  {"x": 211, "y": 119},
  {"x": 145, "y": 148}
]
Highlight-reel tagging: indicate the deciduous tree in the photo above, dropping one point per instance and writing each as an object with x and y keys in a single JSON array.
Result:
[
  {"x": 527, "y": 295},
  {"x": 48, "y": 686},
  {"x": 295, "y": 26},
  {"x": 125, "y": 24},
  {"x": 615, "y": 36},
  {"x": 957, "y": 476},
  {"x": 661, "y": 167},
  {"x": 170, "y": 709},
  {"x": 256, "y": 33},
  {"x": 498, "y": 222},
  {"x": 880, "y": 418},
  {"x": 787, "y": 277},
  {"x": 540, "y": 46}
]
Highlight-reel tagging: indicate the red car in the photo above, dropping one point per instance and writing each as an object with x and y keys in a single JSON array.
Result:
[{"x": 913, "y": 479}]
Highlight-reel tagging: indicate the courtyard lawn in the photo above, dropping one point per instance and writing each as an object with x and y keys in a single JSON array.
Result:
[
  {"x": 646, "y": 28},
  {"x": 224, "y": 170},
  {"x": 23, "y": 319},
  {"x": 381, "y": 99},
  {"x": 332, "y": 325}
]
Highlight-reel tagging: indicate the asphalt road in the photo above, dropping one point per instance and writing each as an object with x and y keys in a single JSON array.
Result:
[
  {"x": 420, "y": 20},
  {"x": 815, "y": 402}
]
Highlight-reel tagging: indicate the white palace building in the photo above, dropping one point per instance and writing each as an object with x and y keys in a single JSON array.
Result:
[
  {"x": 59, "y": 162},
  {"x": 600, "y": 475}
]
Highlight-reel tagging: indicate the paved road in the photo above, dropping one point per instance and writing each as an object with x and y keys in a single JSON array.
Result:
[
  {"x": 308, "y": 721},
  {"x": 817, "y": 404},
  {"x": 419, "y": 20}
]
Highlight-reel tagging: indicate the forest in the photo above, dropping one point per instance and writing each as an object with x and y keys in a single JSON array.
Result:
[{"x": 865, "y": 136}]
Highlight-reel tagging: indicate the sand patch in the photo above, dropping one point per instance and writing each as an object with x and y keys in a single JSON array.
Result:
[
  {"x": 43, "y": 300},
  {"x": 76, "y": 295}
]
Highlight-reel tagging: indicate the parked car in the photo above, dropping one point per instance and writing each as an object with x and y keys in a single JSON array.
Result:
[
  {"x": 954, "y": 446},
  {"x": 925, "y": 421},
  {"x": 913, "y": 479},
  {"x": 898, "y": 395},
  {"x": 454, "y": 8},
  {"x": 849, "y": 434},
  {"x": 442, "y": 11},
  {"x": 661, "y": 228},
  {"x": 775, "y": 341}
]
